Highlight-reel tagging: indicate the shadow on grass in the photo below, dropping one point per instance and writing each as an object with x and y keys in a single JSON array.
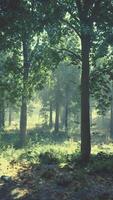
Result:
[
  {"x": 40, "y": 135},
  {"x": 43, "y": 135},
  {"x": 9, "y": 138},
  {"x": 50, "y": 181}
]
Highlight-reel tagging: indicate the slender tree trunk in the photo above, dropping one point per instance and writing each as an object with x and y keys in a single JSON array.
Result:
[
  {"x": 91, "y": 118},
  {"x": 2, "y": 117},
  {"x": 23, "y": 120},
  {"x": 51, "y": 116},
  {"x": 62, "y": 117},
  {"x": 66, "y": 112},
  {"x": 85, "y": 108},
  {"x": 66, "y": 117},
  {"x": 57, "y": 117},
  {"x": 23, "y": 112},
  {"x": 111, "y": 121},
  {"x": 10, "y": 115},
  {"x": 2, "y": 111}
]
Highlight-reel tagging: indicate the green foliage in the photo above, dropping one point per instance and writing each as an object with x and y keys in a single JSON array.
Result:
[
  {"x": 42, "y": 48},
  {"x": 41, "y": 45},
  {"x": 101, "y": 83},
  {"x": 101, "y": 163},
  {"x": 48, "y": 158}
]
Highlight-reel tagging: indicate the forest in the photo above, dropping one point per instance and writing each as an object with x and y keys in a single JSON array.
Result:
[{"x": 56, "y": 100}]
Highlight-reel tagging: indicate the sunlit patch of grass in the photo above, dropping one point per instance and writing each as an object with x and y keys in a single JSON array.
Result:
[
  {"x": 67, "y": 147},
  {"x": 8, "y": 169},
  {"x": 18, "y": 193},
  {"x": 31, "y": 154},
  {"x": 60, "y": 145},
  {"x": 106, "y": 148},
  {"x": 4, "y": 166},
  {"x": 11, "y": 159},
  {"x": 9, "y": 164}
]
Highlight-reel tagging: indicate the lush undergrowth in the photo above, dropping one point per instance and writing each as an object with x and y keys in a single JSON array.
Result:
[
  {"x": 51, "y": 162},
  {"x": 44, "y": 146}
]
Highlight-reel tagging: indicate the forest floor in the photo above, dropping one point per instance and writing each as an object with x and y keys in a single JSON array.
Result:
[{"x": 51, "y": 170}]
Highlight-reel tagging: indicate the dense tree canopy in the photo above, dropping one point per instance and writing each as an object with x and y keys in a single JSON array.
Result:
[{"x": 39, "y": 36}]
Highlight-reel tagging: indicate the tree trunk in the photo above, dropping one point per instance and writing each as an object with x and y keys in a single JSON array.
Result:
[
  {"x": 51, "y": 116},
  {"x": 111, "y": 121},
  {"x": 10, "y": 115},
  {"x": 2, "y": 117},
  {"x": 57, "y": 118},
  {"x": 91, "y": 113},
  {"x": 2, "y": 111},
  {"x": 23, "y": 112},
  {"x": 66, "y": 112},
  {"x": 23, "y": 121},
  {"x": 66, "y": 117},
  {"x": 85, "y": 108},
  {"x": 62, "y": 117}
]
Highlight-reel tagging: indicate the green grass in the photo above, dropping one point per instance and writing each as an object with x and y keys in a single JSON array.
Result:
[
  {"x": 53, "y": 147},
  {"x": 53, "y": 159}
]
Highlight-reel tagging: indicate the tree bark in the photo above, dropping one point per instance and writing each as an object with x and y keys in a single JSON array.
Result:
[
  {"x": 51, "y": 116},
  {"x": 66, "y": 117},
  {"x": 2, "y": 111},
  {"x": 23, "y": 112},
  {"x": 66, "y": 112},
  {"x": 2, "y": 117},
  {"x": 85, "y": 106},
  {"x": 57, "y": 117},
  {"x": 10, "y": 115}
]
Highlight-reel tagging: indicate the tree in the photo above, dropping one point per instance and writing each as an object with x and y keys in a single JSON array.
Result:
[
  {"x": 80, "y": 18},
  {"x": 60, "y": 92},
  {"x": 24, "y": 30}
]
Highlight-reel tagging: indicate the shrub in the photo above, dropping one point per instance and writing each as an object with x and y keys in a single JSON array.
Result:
[{"x": 48, "y": 158}]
